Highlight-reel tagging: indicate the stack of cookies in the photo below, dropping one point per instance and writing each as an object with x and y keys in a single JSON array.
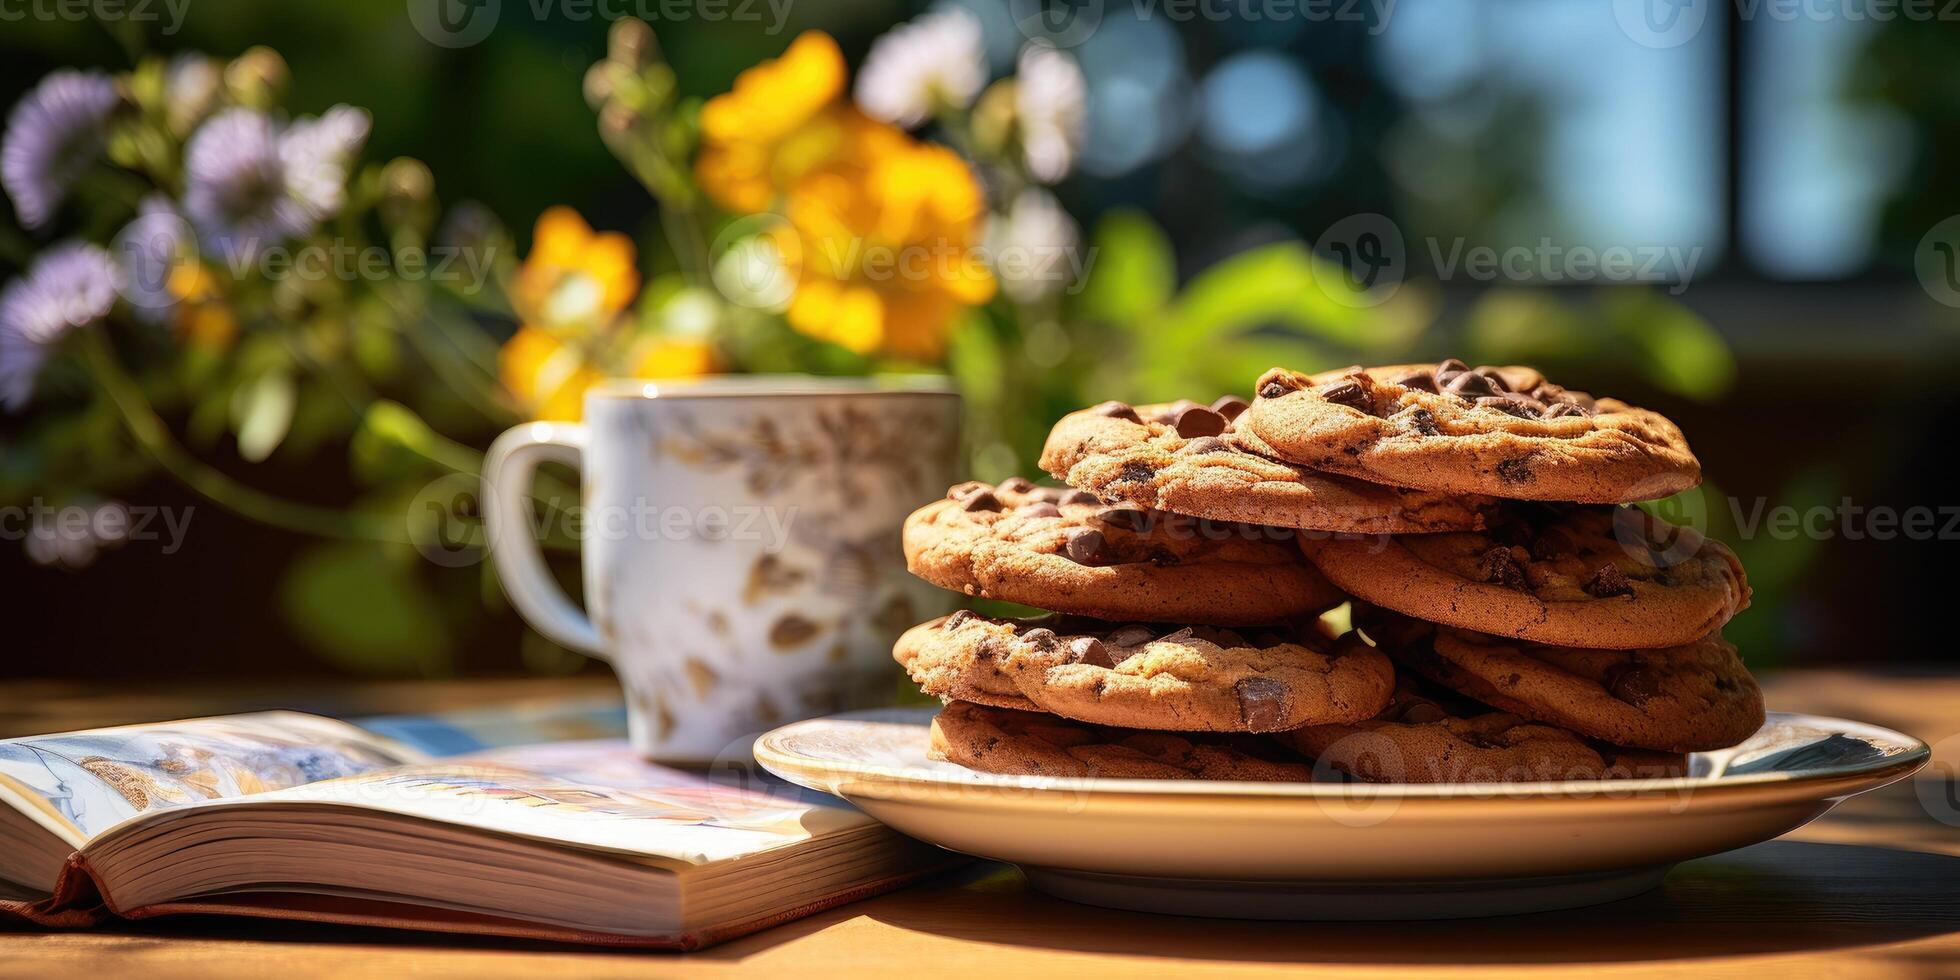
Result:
[{"x": 1416, "y": 573}]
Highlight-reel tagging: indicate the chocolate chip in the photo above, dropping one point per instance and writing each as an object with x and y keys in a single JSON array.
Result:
[
  {"x": 1469, "y": 385},
  {"x": 1042, "y": 509},
  {"x": 1495, "y": 380},
  {"x": 1198, "y": 420},
  {"x": 1346, "y": 391},
  {"x": 1515, "y": 470},
  {"x": 1451, "y": 365},
  {"x": 1418, "y": 381},
  {"x": 1509, "y": 405},
  {"x": 1132, "y": 635},
  {"x": 1089, "y": 650},
  {"x": 1051, "y": 495},
  {"x": 960, "y": 491},
  {"x": 1128, "y": 516},
  {"x": 1202, "y": 445},
  {"x": 1117, "y": 410},
  {"x": 1230, "y": 406},
  {"x": 981, "y": 499},
  {"x": 1168, "y": 414},
  {"x": 1184, "y": 635},
  {"x": 1078, "y": 497},
  {"x": 957, "y": 619},
  {"x": 1137, "y": 471},
  {"x": 1633, "y": 684},
  {"x": 1278, "y": 382},
  {"x": 1501, "y": 567},
  {"x": 1563, "y": 409},
  {"x": 1083, "y": 545},
  {"x": 1550, "y": 543},
  {"x": 1262, "y": 703},
  {"x": 1608, "y": 582},
  {"x": 1041, "y": 638},
  {"x": 1163, "y": 557},
  {"x": 1017, "y": 484},
  {"x": 1424, "y": 423}
]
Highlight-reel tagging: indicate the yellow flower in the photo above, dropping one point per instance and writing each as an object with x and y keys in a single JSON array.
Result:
[
  {"x": 570, "y": 292},
  {"x": 883, "y": 262},
  {"x": 675, "y": 357},
  {"x": 783, "y": 120},
  {"x": 574, "y": 278},
  {"x": 202, "y": 315},
  {"x": 546, "y": 374}
]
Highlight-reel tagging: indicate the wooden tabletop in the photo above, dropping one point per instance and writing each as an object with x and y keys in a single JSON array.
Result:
[{"x": 1873, "y": 889}]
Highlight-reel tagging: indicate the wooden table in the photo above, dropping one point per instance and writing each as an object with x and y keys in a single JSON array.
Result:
[{"x": 1871, "y": 890}]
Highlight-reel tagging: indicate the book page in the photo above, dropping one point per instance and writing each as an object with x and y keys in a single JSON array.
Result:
[
  {"x": 78, "y": 784},
  {"x": 596, "y": 795}
]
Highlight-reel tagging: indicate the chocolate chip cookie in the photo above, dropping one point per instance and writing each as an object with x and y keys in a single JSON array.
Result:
[
  {"x": 1580, "y": 576},
  {"x": 1067, "y": 551},
  {"x": 961, "y": 671},
  {"x": 1503, "y": 431},
  {"x": 1186, "y": 458},
  {"x": 1429, "y": 734},
  {"x": 1626, "y": 763},
  {"x": 1190, "y": 678},
  {"x": 1020, "y": 743},
  {"x": 1687, "y": 698}
]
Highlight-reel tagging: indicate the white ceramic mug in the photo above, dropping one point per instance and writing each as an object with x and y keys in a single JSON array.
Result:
[{"x": 740, "y": 541}]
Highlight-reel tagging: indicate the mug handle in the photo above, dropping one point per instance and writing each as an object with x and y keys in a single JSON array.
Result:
[{"x": 507, "y": 471}]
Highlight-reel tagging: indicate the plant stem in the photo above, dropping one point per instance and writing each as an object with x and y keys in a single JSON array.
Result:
[{"x": 154, "y": 437}]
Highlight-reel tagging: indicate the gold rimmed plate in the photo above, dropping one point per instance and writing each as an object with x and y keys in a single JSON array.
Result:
[{"x": 1342, "y": 850}]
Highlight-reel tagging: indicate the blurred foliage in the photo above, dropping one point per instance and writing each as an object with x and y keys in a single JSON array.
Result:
[{"x": 391, "y": 385}]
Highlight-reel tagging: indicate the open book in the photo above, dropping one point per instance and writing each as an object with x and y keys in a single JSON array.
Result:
[{"x": 296, "y": 816}]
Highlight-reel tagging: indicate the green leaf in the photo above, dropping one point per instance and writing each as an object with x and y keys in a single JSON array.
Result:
[
  {"x": 362, "y": 607},
  {"x": 1680, "y": 351},
  {"x": 1134, "y": 273},
  {"x": 975, "y": 359},
  {"x": 1524, "y": 326},
  {"x": 1285, "y": 285}
]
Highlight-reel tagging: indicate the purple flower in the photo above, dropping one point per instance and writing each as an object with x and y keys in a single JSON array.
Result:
[
  {"x": 53, "y": 134},
  {"x": 252, "y": 183},
  {"x": 151, "y": 248},
  {"x": 69, "y": 286}
]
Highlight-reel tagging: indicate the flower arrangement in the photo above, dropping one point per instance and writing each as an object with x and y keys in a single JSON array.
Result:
[{"x": 229, "y": 289}]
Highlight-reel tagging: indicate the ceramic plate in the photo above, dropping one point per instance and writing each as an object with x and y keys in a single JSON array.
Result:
[{"x": 1336, "y": 849}]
